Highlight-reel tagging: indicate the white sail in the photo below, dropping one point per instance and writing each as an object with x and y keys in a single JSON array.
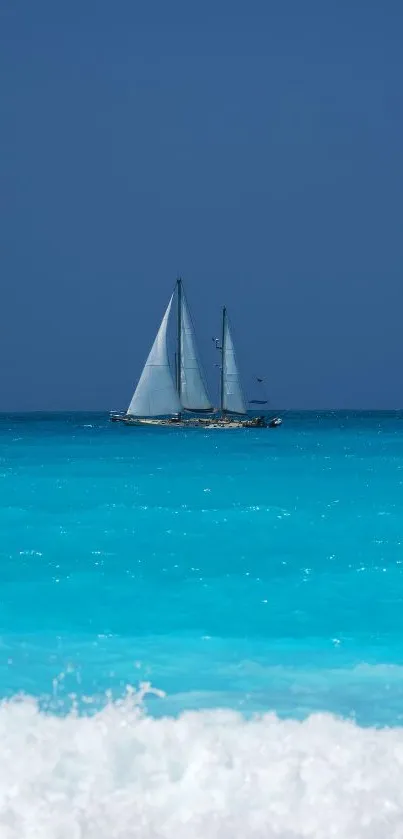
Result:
[
  {"x": 193, "y": 391},
  {"x": 232, "y": 397},
  {"x": 155, "y": 394}
]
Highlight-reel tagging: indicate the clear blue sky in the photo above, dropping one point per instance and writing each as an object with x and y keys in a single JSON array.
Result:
[{"x": 254, "y": 147}]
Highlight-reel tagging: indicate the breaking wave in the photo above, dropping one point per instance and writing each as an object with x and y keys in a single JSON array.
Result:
[{"x": 121, "y": 774}]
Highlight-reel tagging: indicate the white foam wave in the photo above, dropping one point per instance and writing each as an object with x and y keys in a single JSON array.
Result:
[{"x": 120, "y": 774}]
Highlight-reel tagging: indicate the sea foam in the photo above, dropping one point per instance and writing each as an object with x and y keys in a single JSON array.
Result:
[{"x": 120, "y": 774}]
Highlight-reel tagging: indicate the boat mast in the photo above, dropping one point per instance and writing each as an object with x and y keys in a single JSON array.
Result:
[
  {"x": 179, "y": 338},
  {"x": 224, "y": 319}
]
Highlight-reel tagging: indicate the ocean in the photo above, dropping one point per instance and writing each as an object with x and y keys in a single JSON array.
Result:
[{"x": 201, "y": 631}]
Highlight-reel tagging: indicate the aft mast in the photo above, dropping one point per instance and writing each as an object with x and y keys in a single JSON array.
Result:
[
  {"x": 224, "y": 320},
  {"x": 179, "y": 339}
]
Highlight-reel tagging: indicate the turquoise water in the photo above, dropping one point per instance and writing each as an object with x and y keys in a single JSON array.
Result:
[
  {"x": 248, "y": 570},
  {"x": 255, "y": 569}
]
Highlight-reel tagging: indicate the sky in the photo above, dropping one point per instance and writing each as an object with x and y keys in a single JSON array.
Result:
[{"x": 254, "y": 148}]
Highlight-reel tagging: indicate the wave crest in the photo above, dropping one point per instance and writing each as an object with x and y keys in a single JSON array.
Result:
[{"x": 121, "y": 774}]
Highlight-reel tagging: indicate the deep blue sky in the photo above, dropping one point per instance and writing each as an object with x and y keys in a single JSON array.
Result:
[{"x": 254, "y": 147}]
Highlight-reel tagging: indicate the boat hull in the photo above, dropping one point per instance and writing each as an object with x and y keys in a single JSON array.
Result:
[
  {"x": 241, "y": 423},
  {"x": 127, "y": 420},
  {"x": 198, "y": 422}
]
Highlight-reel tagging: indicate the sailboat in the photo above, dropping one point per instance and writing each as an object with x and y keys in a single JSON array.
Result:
[
  {"x": 162, "y": 397},
  {"x": 181, "y": 398}
]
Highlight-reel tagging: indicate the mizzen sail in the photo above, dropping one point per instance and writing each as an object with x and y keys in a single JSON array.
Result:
[
  {"x": 232, "y": 397},
  {"x": 155, "y": 394}
]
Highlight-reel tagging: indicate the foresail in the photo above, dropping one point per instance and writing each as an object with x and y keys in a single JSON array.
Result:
[
  {"x": 193, "y": 391},
  {"x": 155, "y": 394},
  {"x": 233, "y": 398}
]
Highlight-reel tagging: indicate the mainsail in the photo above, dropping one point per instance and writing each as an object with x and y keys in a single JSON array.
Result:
[
  {"x": 232, "y": 398},
  {"x": 193, "y": 393},
  {"x": 155, "y": 394}
]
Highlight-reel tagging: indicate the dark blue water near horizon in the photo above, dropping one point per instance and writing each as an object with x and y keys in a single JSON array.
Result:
[{"x": 251, "y": 569}]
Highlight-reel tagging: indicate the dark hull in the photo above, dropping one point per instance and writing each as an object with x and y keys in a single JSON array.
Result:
[{"x": 199, "y": 422}]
